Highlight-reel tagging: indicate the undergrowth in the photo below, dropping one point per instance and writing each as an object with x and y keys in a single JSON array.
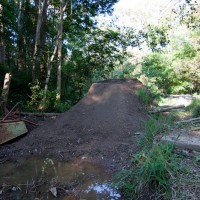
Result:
[
  {"x": 155, "y": 125},
  {"x": 49, "y": 103},
  {"x": 152, "y": 168},
  {"x": 144, "y": 96},
  {"x": 194, "y": 108},
  {"x": 147, "y": 97}
]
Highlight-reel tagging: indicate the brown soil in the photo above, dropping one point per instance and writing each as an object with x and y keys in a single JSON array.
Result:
[{"x": 100, "y": 128}]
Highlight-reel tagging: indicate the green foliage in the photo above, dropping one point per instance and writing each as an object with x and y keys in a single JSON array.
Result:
[
  {"x": 155, "y": 125},
  {"x": 144, "y": 96},
  {"x": 152, "y": 167},
  {"x": 189, "y": 14},
  {"x": 197, "y": 158},
  {"x": 37, "y": 102},
  {"x": 186, "y": 52},
  {"x": 173, "y": 71},
  {"x": 124, "y": 70},
  {"x": 156, "y": 37},
  {"x": 88, "y": 50},
  {"x": 150, "y": 173},
  {"x": 159, "y": 72},
  {"x": 194, "y": 108},
  {"x": 61, "y": 106}
]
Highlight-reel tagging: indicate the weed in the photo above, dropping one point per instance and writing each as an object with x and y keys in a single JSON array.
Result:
[
  {"x": 155, "y": 125},
  {"x": 194, "y": 108},
  {"x": 187, "y": 184},
  {"x": 144, "y": 96},
  {"x": 153, "y": 167},
  {"x": 150, "y": 172},
  {"x": 197, "y": 158}
]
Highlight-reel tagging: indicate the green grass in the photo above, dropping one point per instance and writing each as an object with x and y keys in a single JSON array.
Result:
[
  {"x": 151, "y": 168},
  {"x": 194, "y": 108},
  {"x": 187, "y": 184},
  {"x": 150, "y": 173},
  {"x": 155, "y": 125},
  {"x": 144, "y": 96},
  {"x": 156, "y": 170}
]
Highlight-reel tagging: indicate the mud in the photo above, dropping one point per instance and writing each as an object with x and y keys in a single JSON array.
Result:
[
  {"x": 99, "y": 129},
  {"x": 39, "y": 178}
]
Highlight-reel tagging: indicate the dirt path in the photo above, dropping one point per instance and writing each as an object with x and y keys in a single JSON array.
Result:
[{"x": 99, "y": 128}]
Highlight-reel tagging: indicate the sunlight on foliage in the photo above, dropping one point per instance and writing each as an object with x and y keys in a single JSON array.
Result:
[{"x": 194, "y": 108}]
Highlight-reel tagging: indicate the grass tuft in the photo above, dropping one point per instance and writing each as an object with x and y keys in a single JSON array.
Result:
[
  {"x": 144, "y": 96},
  {"x": 194, "y": 108},
  {"x": 153, "y": 167},
  {"x": 151, "y": 173}
]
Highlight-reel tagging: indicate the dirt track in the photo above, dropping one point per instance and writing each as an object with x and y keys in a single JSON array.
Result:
[{"x": 100, "y": 127}]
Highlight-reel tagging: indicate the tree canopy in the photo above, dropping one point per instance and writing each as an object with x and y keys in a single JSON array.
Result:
[{"x": 55, "y": 49}]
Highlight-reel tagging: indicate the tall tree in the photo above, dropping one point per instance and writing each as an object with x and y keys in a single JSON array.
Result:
[
  {"x": 20, "y": 36},
  {"x": 43, "y": 43},
  {"x": 60, "y": 32},
  {"x": 2, "y": 51},
  {"x": 37, "y": 38}
]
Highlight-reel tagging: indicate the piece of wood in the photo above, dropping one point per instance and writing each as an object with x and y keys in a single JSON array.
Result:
[
  {"x": 40, "y": 114},
  {"x": 11, "y": 130},
  {"x": 195, "y": 128},
  {"x": 5, "y": 90},
  {"x": 10, "y": 112},
  {"x": 166, "y": 109},
  {"x": 192, "y": 120}
]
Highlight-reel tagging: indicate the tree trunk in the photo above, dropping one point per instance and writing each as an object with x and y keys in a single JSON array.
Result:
[
  {"x": 43, "y": 42},
  {"x": 58, "y": 43},
  {"x": 5, "y": 90},
  {"x": 2, "y": 50},
  {"x": 37, "y": 38},
  {"x": 20, "y": 55},
  {"x": 49, "y": 67},
  {"x": 60, "y": 32},
  {"x": 2, "y": 47}
]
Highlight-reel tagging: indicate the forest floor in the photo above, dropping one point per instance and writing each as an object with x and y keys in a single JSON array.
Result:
[{"x": 103, "y": 128}]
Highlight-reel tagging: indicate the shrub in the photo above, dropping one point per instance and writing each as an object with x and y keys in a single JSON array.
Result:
[
  {"x": 159, "y": 73},
  {"x": 37, "y": 101},
  {"x": 61, "y": 106}
]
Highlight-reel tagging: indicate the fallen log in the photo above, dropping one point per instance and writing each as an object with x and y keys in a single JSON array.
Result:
[
  {"x": 40, "y": 114},
  {"x": 166, "y": 109},
  {"x": 192, "y": 120}
]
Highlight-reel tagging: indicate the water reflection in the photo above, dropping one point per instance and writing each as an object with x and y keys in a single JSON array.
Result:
[
  {"x": 101, "y": 191},
  {"x": 34, "y": 177}
]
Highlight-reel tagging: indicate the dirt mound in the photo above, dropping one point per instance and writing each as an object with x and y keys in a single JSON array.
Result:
[{"x": 99, "y": 127}]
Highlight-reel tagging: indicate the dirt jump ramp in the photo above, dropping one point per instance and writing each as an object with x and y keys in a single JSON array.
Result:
[{"x": 100, "y": 127}]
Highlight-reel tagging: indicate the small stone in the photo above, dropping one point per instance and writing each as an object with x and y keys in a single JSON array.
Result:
[
  {"x": 137, "y": 133},
  {"x": 53, "y": 191},
  {"x": 14, "y": 189}
]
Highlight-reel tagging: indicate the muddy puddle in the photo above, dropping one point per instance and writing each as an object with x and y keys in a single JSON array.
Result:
[{"x": 43, "y": 178}]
